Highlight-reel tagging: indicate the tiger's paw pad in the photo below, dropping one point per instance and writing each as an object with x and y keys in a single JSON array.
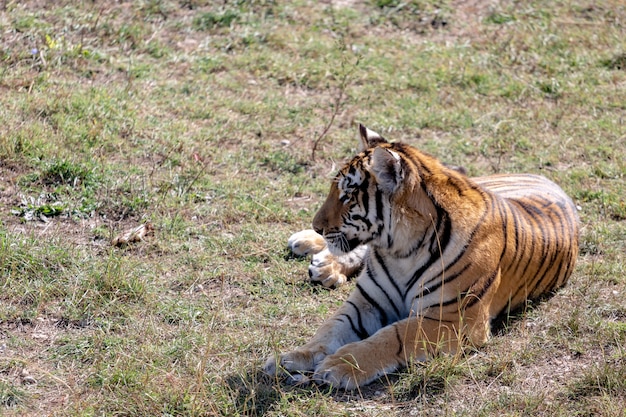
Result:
[
  {"x": 324, "y": 269},
  {"x": 306, "y": 242}
]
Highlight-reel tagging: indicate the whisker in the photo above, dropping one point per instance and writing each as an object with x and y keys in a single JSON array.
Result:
[{"x": 345, "y": 246}]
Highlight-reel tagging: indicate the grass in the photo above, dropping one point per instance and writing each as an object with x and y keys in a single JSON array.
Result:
[{"x": 201, "y": 118}]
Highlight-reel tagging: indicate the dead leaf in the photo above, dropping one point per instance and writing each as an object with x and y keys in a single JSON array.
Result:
[{"x": 136, "y": 234}]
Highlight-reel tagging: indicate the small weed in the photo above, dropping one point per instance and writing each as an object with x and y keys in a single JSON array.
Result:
[
  {"x": 499, "y": 18},
  {"x": 11, "y": 396},
  {"x": 66, "y": 173},
  {"x": 36, "y": 209},
  {"x": 617, "y": 62},
  {"x": 177, "y": 313},
  {"x": 601, "y": 379},
  {"x": 281, "y": 161},
  {"x": 551, "y": 88},
  {"x": 429, "y": 379},
  {"x": 417, "y": 15},
  {"x": 210, "y": 20}
]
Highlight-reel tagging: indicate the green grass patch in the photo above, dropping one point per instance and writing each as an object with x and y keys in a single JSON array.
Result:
[
  {"x": 604, "y": 379},
  {"x": 11, "y": 396}
]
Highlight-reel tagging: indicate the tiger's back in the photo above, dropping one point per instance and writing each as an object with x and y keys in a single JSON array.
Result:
[{"x": 537, "y": 218}]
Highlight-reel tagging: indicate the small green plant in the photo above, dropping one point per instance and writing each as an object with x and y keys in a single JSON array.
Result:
[
  {"x": 416, "y": 15},
  {"x": 66, "y": 173},
  {"x": 40, "y": 208},
  {"x": 551, "y": 88},
  {"x": 11, "y": 396},
  {"x": 210, "y": 20},
  {"x": 282, "y": 161},
  {"x": 617, "y": 62},
  {"x": 601, "y": 379},
  {"x": 499, "y": 18}
]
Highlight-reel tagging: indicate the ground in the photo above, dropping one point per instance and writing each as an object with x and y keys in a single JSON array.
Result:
[{"x": 199, "y": 119}]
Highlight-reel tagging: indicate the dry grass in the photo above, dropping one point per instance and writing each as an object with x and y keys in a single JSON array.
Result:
[{"x": 199, "y": 119}]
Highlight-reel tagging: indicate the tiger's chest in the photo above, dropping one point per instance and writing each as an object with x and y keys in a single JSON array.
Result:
[{"x": 416, "y": 280}]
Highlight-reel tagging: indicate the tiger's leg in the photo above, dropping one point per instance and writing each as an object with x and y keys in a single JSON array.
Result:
[
  {"x": 417, "y": 337},
  {"x": 355, "y": 320},
  {"x": 326, "y": 268},
  {"x": 334, "y": 333}
]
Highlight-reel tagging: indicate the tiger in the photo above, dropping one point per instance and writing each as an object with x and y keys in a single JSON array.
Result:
[{"x": 440, "y": 256}]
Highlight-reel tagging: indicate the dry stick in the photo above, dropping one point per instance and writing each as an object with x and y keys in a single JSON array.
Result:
[
  {"x": 336, "y": 107},
  {"x": 195, "y": 178}
]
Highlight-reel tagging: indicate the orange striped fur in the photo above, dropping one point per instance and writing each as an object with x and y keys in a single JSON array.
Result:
[{"x": 441, "y": 256}]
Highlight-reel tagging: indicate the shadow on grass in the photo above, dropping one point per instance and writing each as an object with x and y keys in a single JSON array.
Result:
[
  {"x": 256, "y": 393},
  {"x": 500, "y": 325},
  {"x": 253, "y": 393}
]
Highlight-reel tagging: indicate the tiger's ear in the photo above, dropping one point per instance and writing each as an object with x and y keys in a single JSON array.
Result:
[
  {"x": 387, "y": 169},
  {"x": 369, "y": 138}
]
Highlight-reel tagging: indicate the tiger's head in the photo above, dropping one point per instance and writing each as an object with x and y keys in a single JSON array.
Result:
[{"x": 359, "y": 208}]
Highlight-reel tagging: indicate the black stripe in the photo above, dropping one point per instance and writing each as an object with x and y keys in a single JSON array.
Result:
[
  {"x": 536, "y": 222},
  {"x": 379, "y": 203},
  {"x": 567, "y": 262},
  {"x": 476, "y": 297},
  {"x": 358, "y": 217},
  {"x": 381, "y": 262},
  {"x": 360, "y": 331},
  {"x": 439, "y": 240},
  {"x": 442, "y": 221},
  {"x": 447, "y": 280},
  {"x": 502, "y": 210},
  {"x": 370, "y": 275},
  {"x": 400, "y": 352},
  {"x": 384, "y": 320},
  {"x": 420, "y": 165},
  {"x": 454, "y": 183},
  {"x": 536, "y": 283},
  {"x": 444, "y": 238},
  {"x": 539, "y": 219},
  {"x": 551, "y": 285},
  {"x": 364, "y": 194},
  {"x": 520, "y": 242},
  {"x": 416, "y": 276},
  {"x": 354, "y": 243},
  {"x": 351, "y": 171}
]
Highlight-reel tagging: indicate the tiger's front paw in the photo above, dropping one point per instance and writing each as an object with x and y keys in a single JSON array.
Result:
[
  {"x": 326, "y": 270},
  {"x": 293, "y": 365},
  {"x": 346, "y": 369},
  {"x": 306, "y": 242}
]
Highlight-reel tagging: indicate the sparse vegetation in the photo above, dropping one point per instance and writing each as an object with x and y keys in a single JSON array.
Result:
[{"x": 199, "y": 118}]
